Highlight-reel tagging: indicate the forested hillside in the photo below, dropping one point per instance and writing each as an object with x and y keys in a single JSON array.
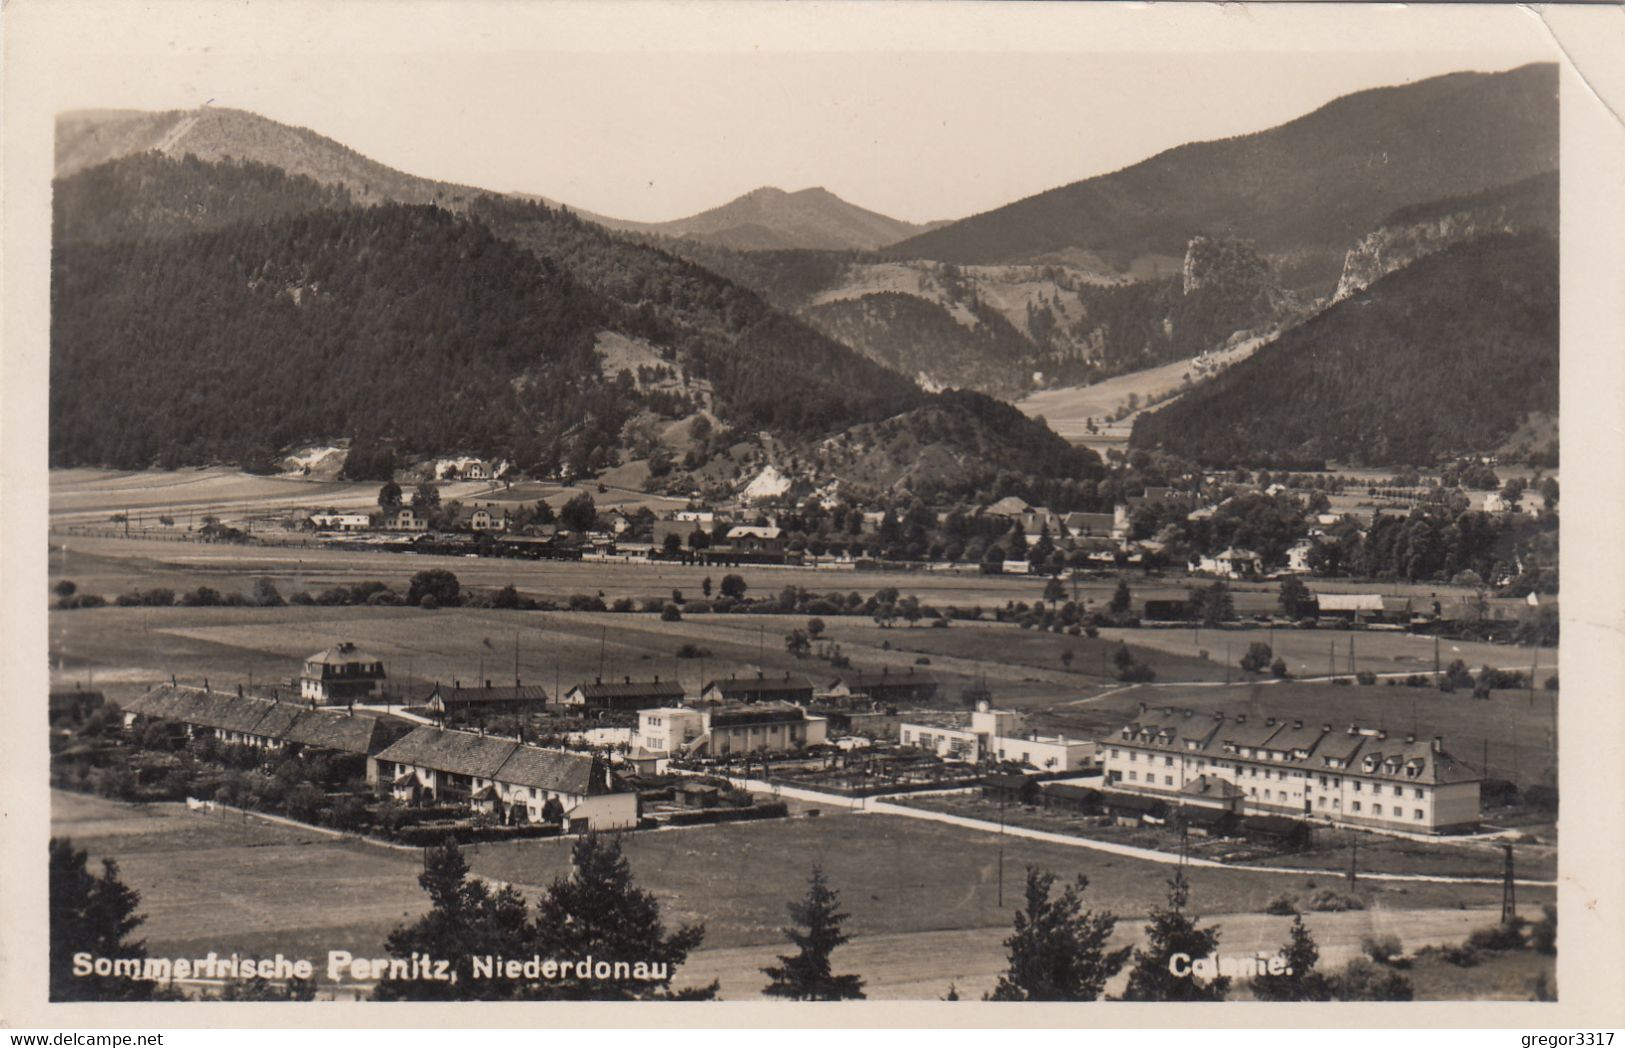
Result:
[
  {"x": 771, "y": 369},
  {"x": 1303, "y": 191},
  {"x": 151, "y": 195},
  {"x": 1445, "y": 357},
  {"x": 223, "y": 311},
  {"x": 399, "y": 322},
  {"x": 913, "y": 336}
]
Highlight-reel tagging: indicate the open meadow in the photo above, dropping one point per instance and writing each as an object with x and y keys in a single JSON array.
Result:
[{"x": 224, "y": 883}]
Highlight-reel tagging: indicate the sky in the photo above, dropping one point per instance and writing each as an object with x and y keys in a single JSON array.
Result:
[{"x": 653, "y": 112}]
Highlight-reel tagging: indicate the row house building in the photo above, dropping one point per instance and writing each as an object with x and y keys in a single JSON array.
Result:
[
  {"x": 265, "y": 723},
  {"x": 625, "y": 695},
  {"x": 1358, "y": 776},
  {"x": 511, "y": 780}
]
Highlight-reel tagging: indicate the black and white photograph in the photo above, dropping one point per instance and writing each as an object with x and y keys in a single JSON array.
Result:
[{"x": 541, "y": 507}]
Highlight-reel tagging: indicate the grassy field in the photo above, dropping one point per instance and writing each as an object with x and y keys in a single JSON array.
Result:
[
  {"x": 1068, "y": 410},
  {"x": 1330, "y": 851},
  {"x": 220, "y": 882},
  {"x": 1023, "y": 668},
  {"x": 123, "y": 649}
]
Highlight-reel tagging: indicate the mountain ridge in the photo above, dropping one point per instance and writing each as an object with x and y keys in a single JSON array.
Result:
[{"x": 1304, "y": 190}]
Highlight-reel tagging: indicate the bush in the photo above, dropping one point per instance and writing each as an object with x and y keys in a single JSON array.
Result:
[
  {"x": 1366, "y": 677},
  {"x": 1384, "y": 949},
  {"x": 1281, "y": 906},
  {"x": 427, "y": 602},
  {"x": 1328, "y": 901},
  {"x": 1498, "y": 937},
  {"x": 1461, "y": 956},
  {"x": 1543, "y": 933},
  {"x": 1278, "y": 667},
  {"x": 693, "y": 651},
  {"x": 583, "y": 602},
  {"x": 671, "y": 613},
  {"x": 438, "y": 583},
  {"x": 623, "y": 604},
  {"x": 1137, "y": 673},
  {"x": 1257, "y": 657},
  {"x": 1361, "y": 980}
]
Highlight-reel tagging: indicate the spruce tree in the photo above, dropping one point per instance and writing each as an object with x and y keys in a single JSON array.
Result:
[
  {"x": 95, "y": 915},
  {"x": 466, "y": 919},
  {"x": 1300, "y": 981},
  {"x": 1058, "y": 951},
  {"x": 1172, "y": 931},
  {"x": 598, "y": 911},
  {"x": 807, "y": 975}
]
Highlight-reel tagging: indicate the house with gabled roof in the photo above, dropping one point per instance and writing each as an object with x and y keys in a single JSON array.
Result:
[
  {"x": 1359, "y": 776},
  {"x": 477, "y": 703},
  {"x": 265, "y": 723},
  {"x": 505, "y": 778},
  {"x": 625, "y": 694},
  {"x": 760, "y": 688},
  {"x": 910, "y": 685}
]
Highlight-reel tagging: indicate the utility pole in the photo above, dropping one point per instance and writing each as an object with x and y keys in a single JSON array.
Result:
[
  {"x": 1354, "y": 852},
  {"x": 1331, "y": 658},
  {"x": 1509, "y": 889},
  {"x": 1435, "y": 661},
  {"x": 1003, "y": 797}
]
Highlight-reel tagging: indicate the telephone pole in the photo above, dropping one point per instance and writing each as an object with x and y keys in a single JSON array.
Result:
[{"x": 1509, "y": 889}]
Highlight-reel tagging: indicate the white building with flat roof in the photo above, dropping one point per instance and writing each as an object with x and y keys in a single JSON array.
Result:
[{"x": 989, "y": 734}]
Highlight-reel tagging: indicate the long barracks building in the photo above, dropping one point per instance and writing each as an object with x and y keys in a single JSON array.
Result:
[{"x": 1354, "y": 776}]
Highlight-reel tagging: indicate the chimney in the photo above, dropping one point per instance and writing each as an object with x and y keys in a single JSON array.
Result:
[
  {"x": 1143, "y": 708},
  {"x": 657, "y": 678},
  {"x": 487, "y": 682},
  {"x": 1410, "y": 737},
  {"x": 598, "y": 680},
  {"x": 1241, "y": 718},
  {"x": 1269, "y": 722},
  {"x": 206, "y": 687},
  {"x": 1325, "y": 729},
  {"x": 629, "y": 680},
  {"x": 1381, "y": 735},
  {"x": 1438, "y": 744},
  {"x": 1354, "y": 729},
  {"x": 1297, "y": 724}
]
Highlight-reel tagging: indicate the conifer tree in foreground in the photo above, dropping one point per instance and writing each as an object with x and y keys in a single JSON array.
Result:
[
  {"x": 1300, "y": 982},
  {"x": 598, "y": 911},
  {"x": 807, "y": 975},
  {"x": 594, "y": 913},
  {"x": 1058, "y": 951},
  {"x": 96, "y": 915},
  {"x": 1171, "y": 931}
]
